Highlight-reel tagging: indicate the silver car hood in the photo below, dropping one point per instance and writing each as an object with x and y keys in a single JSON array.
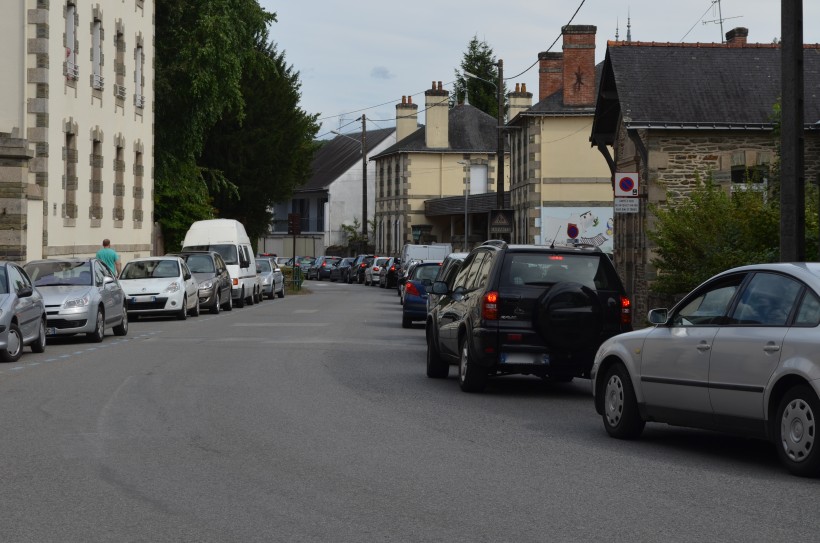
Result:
[{"x": 57, "y": 294}]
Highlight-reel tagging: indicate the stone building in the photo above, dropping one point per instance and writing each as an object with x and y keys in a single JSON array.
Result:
[
  {"x": 678, "y": 112},
  {"x": 76, "y": 127}
]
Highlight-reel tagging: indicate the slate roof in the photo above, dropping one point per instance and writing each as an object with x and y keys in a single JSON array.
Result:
[
  {"x": 470, "y": 130},
  {"x": 340, "y": 154},
  {"x": 696, "y": 86}
]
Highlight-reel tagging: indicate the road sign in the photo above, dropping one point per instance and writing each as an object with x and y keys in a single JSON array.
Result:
[
  {"x": 294, "y": 224},
  {"x": 627, "y": 205},
  {"x": 626, "y": 185},
  {"x": 501, "y": 221}
]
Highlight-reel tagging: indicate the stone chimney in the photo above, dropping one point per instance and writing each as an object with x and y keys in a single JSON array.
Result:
[
  {"x": 436, "y": 129},
  {"x": 579, "y": 65},
  {"x": 550, "y": 73},
  {"x": 407, "y": 115},
  {"x": 736, "y": 37},
  {"x": 519, "y": 101}
]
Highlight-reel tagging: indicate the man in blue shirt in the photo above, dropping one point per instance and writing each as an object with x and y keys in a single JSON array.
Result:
[{"x": 109, "y": 257}]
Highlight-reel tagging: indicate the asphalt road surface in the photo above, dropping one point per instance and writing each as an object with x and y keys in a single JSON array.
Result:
[{"x": 310, "y": 418}]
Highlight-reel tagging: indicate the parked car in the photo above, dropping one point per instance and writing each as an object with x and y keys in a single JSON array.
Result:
[
  {"x": 211, "y": 273},
  {"x": 357, "y": 269},
  {"x": 160, "y": 285},
  {"x": 402, "y": 278},
  {"x": 22, "y": 314},
  {"x": 371, "y": 273},
  {"x": 273, "y": 280},
  {"x": 341, "y": 270},
  {"x": 301, "y": 262},
  {"x": 415, "y": 292},
  {"x": 389, "y": 273},
  {"x": 447, "y": 273},
  {"x": 528, "y": 309},
  {"x": 320, "y": 268},
  {"x": 738, "y": 354},
  {"x": 81, "y": 296}
]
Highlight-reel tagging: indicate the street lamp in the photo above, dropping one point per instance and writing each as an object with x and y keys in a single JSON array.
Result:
[
  {"x": 364, "y": 173},
  {"x": 499, "y": 88}
]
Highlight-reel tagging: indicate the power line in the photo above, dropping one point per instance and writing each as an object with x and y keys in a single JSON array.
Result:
[{"x": 711, "y": 4}]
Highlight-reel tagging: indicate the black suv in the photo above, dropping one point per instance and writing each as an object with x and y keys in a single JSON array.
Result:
[{"x": 525, "y": 309}]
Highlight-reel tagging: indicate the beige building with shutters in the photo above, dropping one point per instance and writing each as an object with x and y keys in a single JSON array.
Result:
[{"x": 76, "y": 128}]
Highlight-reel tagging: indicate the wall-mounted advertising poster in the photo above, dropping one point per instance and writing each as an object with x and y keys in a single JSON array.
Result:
[{"x": 571, "y": 225}]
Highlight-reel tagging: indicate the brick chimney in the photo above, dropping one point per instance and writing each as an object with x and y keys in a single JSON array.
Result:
[
  {"x": 736, "y": 37},
  {"x": 579, "y": 65},
  {"x": 436, "y": 129},
  {"x": 519, "y": 101},
  {"x": 407, "y": 115},
  {"x": 550, "y": 73}
]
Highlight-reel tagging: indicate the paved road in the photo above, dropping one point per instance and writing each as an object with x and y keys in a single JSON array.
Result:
[{"x": 310, "y": 419}]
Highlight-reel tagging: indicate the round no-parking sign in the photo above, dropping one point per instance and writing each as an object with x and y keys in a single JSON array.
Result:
[{"x": 626, "y": 185}]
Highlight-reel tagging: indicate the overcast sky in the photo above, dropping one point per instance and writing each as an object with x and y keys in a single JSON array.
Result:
[{"x": 361, "y": 57}]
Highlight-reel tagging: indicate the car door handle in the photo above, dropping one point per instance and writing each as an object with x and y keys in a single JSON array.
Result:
[
  {"x": 771, "y": 348},
  {"x": 703, "y": 347}
]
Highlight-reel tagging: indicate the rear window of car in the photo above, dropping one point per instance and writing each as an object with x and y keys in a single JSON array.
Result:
[
  {"x": 381, "y": 261},
  {"x": 200, "y": 264},
  {"x": 425, "y": 272},
  {"x": 540, "y": 269}
]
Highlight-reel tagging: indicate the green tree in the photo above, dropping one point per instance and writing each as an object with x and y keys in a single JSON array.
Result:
[
  {"x": 267, "y": 152},
  {"x": 479, "y": 60},
  {"x": 202, "y": 49},
  {"x": 711, "y": 231}
]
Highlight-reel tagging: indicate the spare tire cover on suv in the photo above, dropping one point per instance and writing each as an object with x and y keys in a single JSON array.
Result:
[{"x": 568, "y": 317}]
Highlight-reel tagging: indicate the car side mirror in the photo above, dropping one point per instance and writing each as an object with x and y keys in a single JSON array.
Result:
[
  {"x": 658, "y": 316},
  {"x": 187, "y": 276},
  {"x": 107, "y": 280},
  {"x": 25, "y": 292},
  {"x": 440, "y": 287}
]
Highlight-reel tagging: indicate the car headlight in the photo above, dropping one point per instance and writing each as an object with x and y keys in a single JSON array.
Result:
[
  {"x": 77, "y": 302},
  {"x": 207, "y": 285},
  {"x": 173, "y": 287}
]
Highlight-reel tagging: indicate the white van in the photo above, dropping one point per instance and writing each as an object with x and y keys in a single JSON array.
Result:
[
  {"x": 436, "y": 251},
  {"x": 228, "y": 238}
]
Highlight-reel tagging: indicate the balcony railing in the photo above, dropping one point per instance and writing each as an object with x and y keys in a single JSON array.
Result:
[
  {"x": 119, "y": 91},
  {"x": 97, "y": 82},
  {"x": 139, "y": 101},
  {"x": 72, "y": 71}
]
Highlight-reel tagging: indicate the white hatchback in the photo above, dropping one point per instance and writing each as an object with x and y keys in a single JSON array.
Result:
[{"x": 160, "y": 285}]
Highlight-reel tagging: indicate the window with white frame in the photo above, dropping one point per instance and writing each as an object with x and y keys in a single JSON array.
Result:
[
  {"x": 97, "y": 81},
  {"x": 72, "y": 72},
  {"x": 139, "y": 98}
]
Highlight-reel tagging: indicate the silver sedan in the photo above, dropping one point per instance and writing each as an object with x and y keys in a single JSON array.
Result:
[
  {"x": 22, "y": 314},
  {"x": 739, "y": 354},
  {"x": 82, "y": 296}
]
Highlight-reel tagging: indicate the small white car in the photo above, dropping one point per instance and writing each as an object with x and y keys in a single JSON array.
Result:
[
  {"x": 371, "y": 273},
  {"x": 160, "y": 285}
]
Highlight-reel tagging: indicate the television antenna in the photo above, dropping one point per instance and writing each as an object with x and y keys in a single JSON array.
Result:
[{"x": 720, "y": 20}]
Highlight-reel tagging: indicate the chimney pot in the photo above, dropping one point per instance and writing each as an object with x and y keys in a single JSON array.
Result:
[
  {"x": 439, "y": 85},
  {"x": 517, "y": 87},
  {"x": 737, "y": 37},
  {"x": 523, "y": 87}
]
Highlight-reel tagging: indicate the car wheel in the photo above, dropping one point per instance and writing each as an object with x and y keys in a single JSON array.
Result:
[
  {"x": 122, "y": 328},
  {"x": 99, "y": 327},
  {"x": 14, "y": 345},
  {"x": 406, "y": 322},
  {"x": 251, "y": 299},
  {"x": 182, "y": 314},
  {"x": 436, "y": 367},
  {"x": 282, "y": 292},
  {"x": 195, "y": 310},
  {"x": 39, "y": 346},
  {"x": 217, "y": 304},
  {"x": 240, "y": 302},
  {"x": 621, "y": 417},
  {"x": 568, "y": 316},
  {"x": 229, "y": 304},
  {"x": 470, "y": 377},
  {"x": 318, "y": 276},
  {"x": 796, "y": 431}
]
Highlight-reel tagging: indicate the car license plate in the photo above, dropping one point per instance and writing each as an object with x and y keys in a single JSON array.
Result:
[
  {"x": 51, "y": 331},
  {"x": 525, "y": 358}
]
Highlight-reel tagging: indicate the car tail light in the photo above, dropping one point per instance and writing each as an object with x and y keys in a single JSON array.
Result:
[
  {"x": 363, "y": 265},
  {"x": 626, "y": 311},
  {"x": 411, "y": 289},
  {"x": 324, "y": 264},
  {"x": 392, "y": 268},
  {"x": 514, "y": 337},
  {"x": 556, "y": 257},
  {"x": 489, "y": 306},
  {"x": 375, "y": 268}
]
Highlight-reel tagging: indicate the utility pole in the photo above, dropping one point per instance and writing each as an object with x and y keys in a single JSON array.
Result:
[
  {"x": 792, "y": 171},
  {"x": 364, "y": 179},
  {"x": 499, "y": 200}
]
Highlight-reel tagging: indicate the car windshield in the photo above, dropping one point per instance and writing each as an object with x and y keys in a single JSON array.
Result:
[
  {"x": 549, "y": 268},
  {"x": 200, "y": 264},
  {"x": 59, "y": 273},
  {"x": 150, "y": 269},
  {"x": 263, "y": 265},
  {"x": 422, "y": 273},
  {"x": 226, "y": 251}
]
